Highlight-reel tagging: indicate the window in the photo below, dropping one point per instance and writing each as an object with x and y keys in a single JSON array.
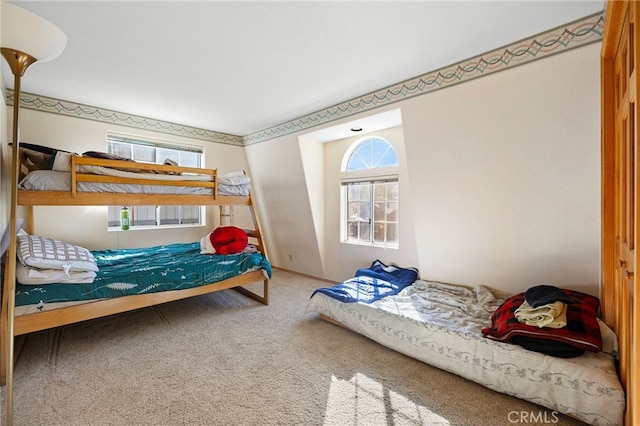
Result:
[
  {"x": 153, "y": 151},
  {"x": 370, "y": 194},
  {"x": 372, "y": 153}
]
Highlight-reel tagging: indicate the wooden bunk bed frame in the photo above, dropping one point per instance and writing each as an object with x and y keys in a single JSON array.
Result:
[{"x": 29, "y": 323}]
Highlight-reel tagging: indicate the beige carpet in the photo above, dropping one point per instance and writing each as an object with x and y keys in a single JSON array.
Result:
[{"x": 223, "y": 359}]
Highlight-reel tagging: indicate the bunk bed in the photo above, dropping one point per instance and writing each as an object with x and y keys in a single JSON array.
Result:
[
  {"x": 471, "y": 331},
  {"x": 90, "y": 181}
]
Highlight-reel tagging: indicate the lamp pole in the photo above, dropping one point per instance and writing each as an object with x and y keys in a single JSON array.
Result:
[
  {"x": 21, "y": 32},
  {"x": 18, "y": 62}
]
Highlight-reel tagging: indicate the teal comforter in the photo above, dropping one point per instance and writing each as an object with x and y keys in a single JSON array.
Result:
[{"x": 125, "y": 272}]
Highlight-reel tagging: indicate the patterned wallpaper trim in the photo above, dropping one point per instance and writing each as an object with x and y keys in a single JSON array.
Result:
[
  {"x": 72, "y": 109},
  {"x": 569, "y": 36}
]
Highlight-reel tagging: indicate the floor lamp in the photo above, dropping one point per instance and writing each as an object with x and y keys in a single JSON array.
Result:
[{"x": 24, "y": 39}]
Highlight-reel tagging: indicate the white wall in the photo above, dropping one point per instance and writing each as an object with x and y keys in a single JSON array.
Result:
[
  {"x": 504, "y": 173},
  {"x": 313, "y": 163},
  {"x": 281, "y": 192},
  {"x": 509, "y": 167},
  {"x": 87, "y": 226}
]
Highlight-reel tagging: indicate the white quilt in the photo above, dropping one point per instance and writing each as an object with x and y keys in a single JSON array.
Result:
[{"x": 441, "y": 325}]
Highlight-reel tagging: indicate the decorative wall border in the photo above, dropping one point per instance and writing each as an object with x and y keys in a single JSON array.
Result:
[
  {"x": 569, "y": 36},
  {"x": 566, "y": 37},
  {"x": 72, "y": 109}
]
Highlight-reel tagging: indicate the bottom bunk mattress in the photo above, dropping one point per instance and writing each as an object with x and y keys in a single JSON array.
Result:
[
  {"x": 123, "y": 272},
  {"x": 441, "y": 325}
]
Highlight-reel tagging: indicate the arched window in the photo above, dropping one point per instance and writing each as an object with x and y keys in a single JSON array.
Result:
[
  {"x": 371, "y": 153},
  {"x": 370, "y": 193}
]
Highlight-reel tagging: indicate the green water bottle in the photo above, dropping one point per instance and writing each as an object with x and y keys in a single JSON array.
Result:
[{"x": 124, "y": 218}]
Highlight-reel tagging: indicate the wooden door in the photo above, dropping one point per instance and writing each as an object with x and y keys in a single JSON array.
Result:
[
  {"x": 625, "y": 184},
  {"x": 620, "y": 191}
]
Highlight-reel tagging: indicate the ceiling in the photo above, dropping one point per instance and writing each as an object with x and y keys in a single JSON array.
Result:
[{"x": 239, "y": 67}]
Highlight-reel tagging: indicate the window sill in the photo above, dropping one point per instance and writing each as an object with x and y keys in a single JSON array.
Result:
[
  {"x": 154, "y": 227},
  {"x": 373, "y": 245}
]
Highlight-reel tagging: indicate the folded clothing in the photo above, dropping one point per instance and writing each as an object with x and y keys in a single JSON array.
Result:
[
  {"x": 553, "y": 315},
  {"x": 544, "y": 294}
]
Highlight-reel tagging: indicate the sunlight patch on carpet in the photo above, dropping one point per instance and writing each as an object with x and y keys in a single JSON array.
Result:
[{"x": 364, "y": 401}]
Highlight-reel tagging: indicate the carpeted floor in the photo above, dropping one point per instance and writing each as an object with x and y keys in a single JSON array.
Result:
[{"x": 223, "y": 359}]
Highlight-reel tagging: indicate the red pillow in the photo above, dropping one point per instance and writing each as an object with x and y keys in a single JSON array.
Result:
[
  {"x": 228, "y": 240},
  {"x": 582, "y": 330}
]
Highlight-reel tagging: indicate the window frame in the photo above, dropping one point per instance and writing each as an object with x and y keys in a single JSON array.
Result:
[
  {"x": 159, "y": 145},
  {"x": 368, "y": 177}
]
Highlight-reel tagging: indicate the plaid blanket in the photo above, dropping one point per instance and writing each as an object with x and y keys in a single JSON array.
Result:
[{"x": 582, "y": 330}]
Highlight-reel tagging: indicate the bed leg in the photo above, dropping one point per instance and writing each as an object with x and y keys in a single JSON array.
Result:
[
  {"x": 327, "y": 318},
  {"x": 265, "y": 291},
  {"x": 264, "y": 299}
]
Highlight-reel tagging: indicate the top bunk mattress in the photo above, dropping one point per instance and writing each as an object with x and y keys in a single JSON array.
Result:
[
  {"x": 57, "y": 180},
  {"x": 441, "y": 325}
]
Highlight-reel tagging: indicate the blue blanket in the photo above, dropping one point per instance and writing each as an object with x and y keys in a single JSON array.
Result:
[
  {"x": 371, "y": 284},
  {"x": 124, "y": 272}
]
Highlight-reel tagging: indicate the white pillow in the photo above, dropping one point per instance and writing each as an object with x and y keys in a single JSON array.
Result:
[
  {"x": 609, "y": 339},
  {"x": 47, "y": 180},
  {"x": 36, "y": 276},
  {"x": 47, "y": 253},
  {"x": 61, "y": 161}
]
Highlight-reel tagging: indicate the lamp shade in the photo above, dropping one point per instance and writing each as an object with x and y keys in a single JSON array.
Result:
[{"x": 31, "y": 34}]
